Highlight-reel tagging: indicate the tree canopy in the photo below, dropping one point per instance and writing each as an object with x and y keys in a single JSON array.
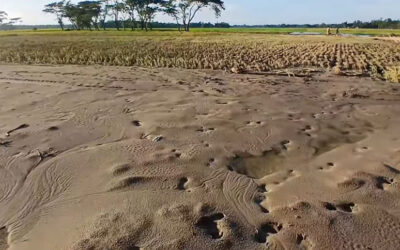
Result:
[
  {"x": 93, "y": 14},
  {"x": 5, "y": 20}
]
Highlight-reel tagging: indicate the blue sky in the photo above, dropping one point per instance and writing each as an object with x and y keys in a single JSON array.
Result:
[{"x": 250, "y": 11}]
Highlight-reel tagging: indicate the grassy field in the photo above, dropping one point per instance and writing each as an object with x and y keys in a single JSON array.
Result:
[{"x": 202, "y": 49}]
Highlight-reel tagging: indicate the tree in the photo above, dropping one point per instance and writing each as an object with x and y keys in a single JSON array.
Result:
[
  {"x": 14, "y": 20},
  {"x": 3, "y": 17},
  {"x": 116, "y": 7},
  {"x": 147, "y": 9},
  {"x": 58, "y": 9},
  {"x": 104, "y": 11},
  {"x": 131, "y": 9},
  {"x": 90, "y": 12},
  {"x": 171, "y": 9},
  {"x": 7, "y": 22},
  {"x": 186, "y": 10},
  {"x": 83, "y": 15}
]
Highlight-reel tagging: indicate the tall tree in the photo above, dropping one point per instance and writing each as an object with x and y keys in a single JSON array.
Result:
[
  {"x": 188, "y": 9},
  {"x": 6, "y": 21},
  {"x": 104, "y": 12},
  {"x": 171, "y": 9},
  {"x": 116, "y": 8},
  {"x": 58, "y": 9},
  {"x": 147, "y": 9},
  {"x": 3, "y": 17},
  {"x": 131, "y": 9}
]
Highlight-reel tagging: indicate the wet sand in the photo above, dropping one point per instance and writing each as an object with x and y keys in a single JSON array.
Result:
[{"x": 98, "y": 157}]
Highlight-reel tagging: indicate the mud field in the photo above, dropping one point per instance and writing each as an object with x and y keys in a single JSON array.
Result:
[{"x": 96, "y": 157}]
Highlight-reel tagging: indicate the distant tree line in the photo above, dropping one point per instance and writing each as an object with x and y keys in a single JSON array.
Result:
[
  {"x": 111, "y": 25},
  {"x": 122, "y": 14},
  {"x": 374, "y": 24}
]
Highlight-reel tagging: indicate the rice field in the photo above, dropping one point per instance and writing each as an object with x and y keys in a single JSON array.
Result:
[{"x": 251, "y": 52}]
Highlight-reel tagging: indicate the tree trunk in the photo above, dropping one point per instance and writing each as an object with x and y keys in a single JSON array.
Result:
[
  {"x": 60, "y": 22},
  {"x": 132, "y": 24},
  {"x": 116, "y": 24}
]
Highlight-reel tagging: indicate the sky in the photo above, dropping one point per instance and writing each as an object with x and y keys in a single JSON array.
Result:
[{"x": 252, "y": 12}]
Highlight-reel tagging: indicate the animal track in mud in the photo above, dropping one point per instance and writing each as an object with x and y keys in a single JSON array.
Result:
[
  {"x": 266, "y": 230},
  {"x": 252, "y": 123},
  {"x": 260, "y": 197},
  {"x": 53, "y": 128},
  {"x": 136, "y": 123},
  {"x": 182, "y": 183},
  {"x": 285, "y": 144},
  {"x": 329, "y": 206},
  {"x": 210, "y": 162},
  {"x": 176, "y": 153},
  {"x": 307, "y": 130},
  {"x": 344, "y": 206},
  {"x": 362, "y": 149},
  {"x": 205, "y": 130},
  {"x": 209, "y": 225}
]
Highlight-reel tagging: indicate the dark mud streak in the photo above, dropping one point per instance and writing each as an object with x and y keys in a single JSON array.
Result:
[{"x": 3, "y": 238}]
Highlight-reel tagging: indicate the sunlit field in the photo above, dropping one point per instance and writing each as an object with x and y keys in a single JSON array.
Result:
[{"x": 256, "y": 52}]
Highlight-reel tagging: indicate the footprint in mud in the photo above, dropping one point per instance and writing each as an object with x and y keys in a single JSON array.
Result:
[
  {"x": 307, "y": 130},
  {"x": 210, "y": 162},
  {"x": 293, "y": 117},
  {"x": 210, "y": 225},
  {"x": 267, "y": 230},
  {"x": 176, "y": 153},
  {"x": 343, "y": 206},
  {"x": 254, "y": 123},
  {"x": 205, "y": 130},
  {"x": 346, "y": 207},
  {"x": 136, "y": 123},
  {"x": 53, "y": 128},
  {"x": 256, "y": 167},
  {"x": 261, "y": 197},
  {"x": 182, "y": 183},
  {"x": 285, "y": 144},
  {"x": 362, "y": 149},
  {"x": 303, "y": 242}
]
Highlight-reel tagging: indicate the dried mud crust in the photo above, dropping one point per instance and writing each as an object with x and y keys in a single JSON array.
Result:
[{"x": 136, "y": 158}]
